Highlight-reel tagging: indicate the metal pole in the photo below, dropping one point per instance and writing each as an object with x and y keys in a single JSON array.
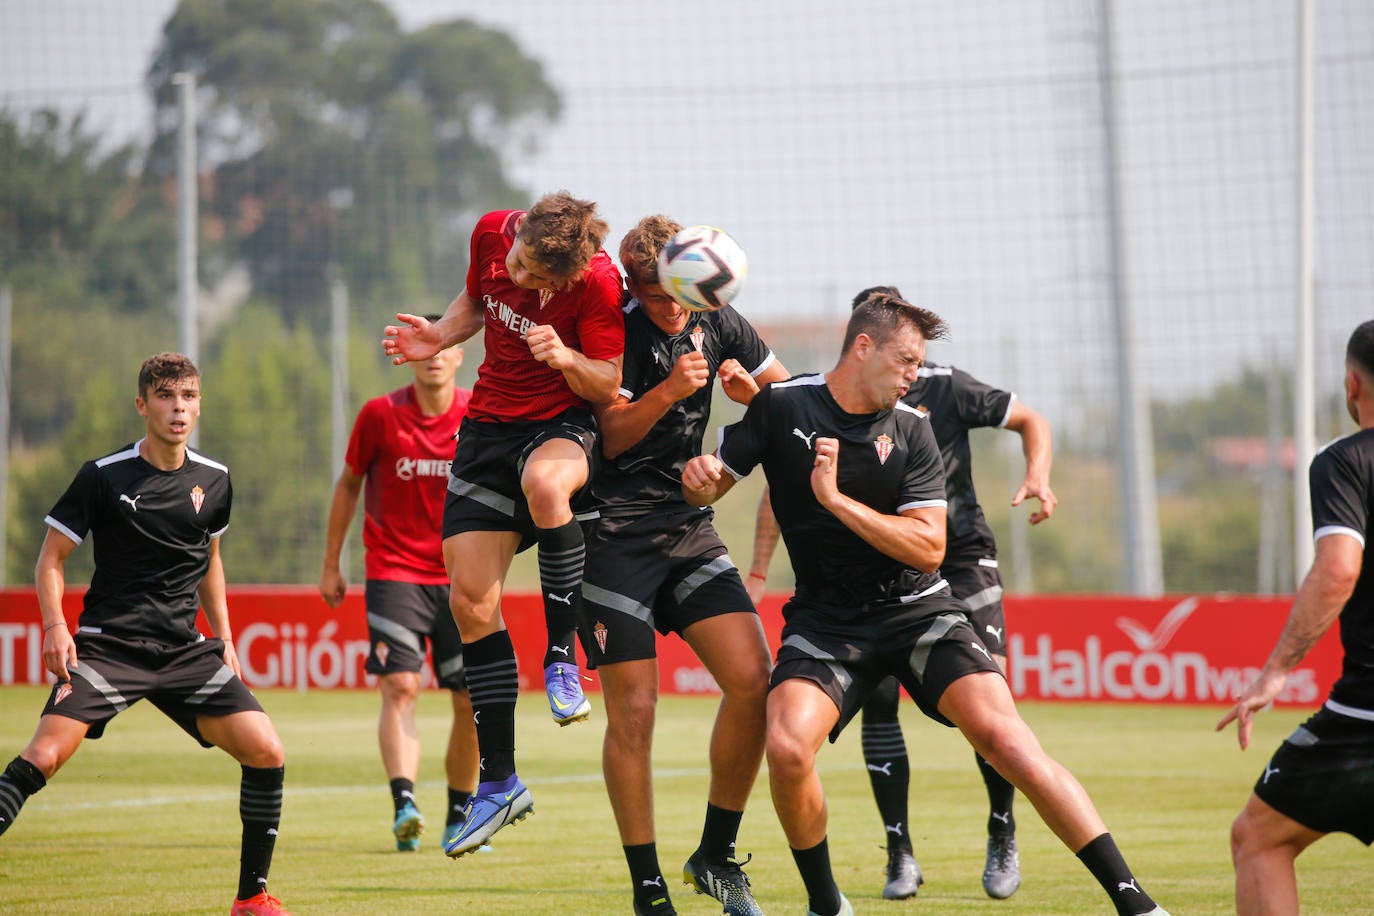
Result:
[
  {"x": 7, "y": 392},
  {"x": 187, "y": 222},
  {"x": 338, "y": 388},
  {"x": 1304, "y": 387},
  {"x": 1135, "y": 446}
]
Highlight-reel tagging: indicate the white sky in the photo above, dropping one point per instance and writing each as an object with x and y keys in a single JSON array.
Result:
[{"x": 950, "y": 148}]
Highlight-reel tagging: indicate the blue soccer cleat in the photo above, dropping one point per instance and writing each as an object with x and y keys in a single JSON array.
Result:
[
  {"x": 451, "y": 832},
  {"x": 408, "y": 826},
  {"x": 567, "y": 702},
  {"x": 493, "y": 806}
]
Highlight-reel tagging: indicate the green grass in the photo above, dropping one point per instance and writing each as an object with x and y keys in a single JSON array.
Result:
[{"x": 143, "y": 821}]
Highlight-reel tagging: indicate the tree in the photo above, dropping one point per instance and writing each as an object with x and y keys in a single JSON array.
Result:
[{"x": 336, "y": 138}]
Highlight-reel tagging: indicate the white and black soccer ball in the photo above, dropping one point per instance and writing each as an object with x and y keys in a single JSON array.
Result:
[{"x": 702, "y": 268}]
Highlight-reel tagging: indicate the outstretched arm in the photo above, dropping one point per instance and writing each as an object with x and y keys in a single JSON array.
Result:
[
  {"x": 50, "y": 581},
  {"x": 1316, "y": 606},
  {"x": 765, "y": 543},
  {"x": 415, "y": 339},
  {"x": 1037, "y": 444},
  {"x": 333, "y": 585}
]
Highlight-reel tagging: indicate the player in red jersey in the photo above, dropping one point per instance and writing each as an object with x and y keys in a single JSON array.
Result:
[
  {"x": 400, "y": 450},
  {"x": 549, "y": 299}
]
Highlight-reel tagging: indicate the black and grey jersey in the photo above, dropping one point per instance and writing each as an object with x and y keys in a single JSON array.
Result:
[
  {"x": 648, "y": 475},
  {"x": 1341, "y": 479},
  {"x": 956, "y": 402},
  {"x": 151, "y": 531},
  {"x": 888, "y": 461}
]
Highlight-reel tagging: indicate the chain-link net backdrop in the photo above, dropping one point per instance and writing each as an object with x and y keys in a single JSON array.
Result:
[{"x": 955, "y": 150}]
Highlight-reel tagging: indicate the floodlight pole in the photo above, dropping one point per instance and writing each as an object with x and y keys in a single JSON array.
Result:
[
  {"x": 187, "y": 218},
  {"x": 1140, "y": 556},
  {"x": 1304, "y": 388}
]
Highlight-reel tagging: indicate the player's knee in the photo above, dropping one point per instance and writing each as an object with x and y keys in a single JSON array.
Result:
[
  {"x": 788, "y": 758},
  {"x": 399, "y": 689},
  {"x": 44, "y": 756},
  {"x": 1246, "y": 838},
  {"x": 266, "y": 754}
]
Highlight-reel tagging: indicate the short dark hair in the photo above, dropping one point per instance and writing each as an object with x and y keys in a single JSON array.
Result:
[
  {"x": 863, "y": 294},
  {"x": 162, "y": 368},
  {"x": 879, "y": 313},
  {"x": 1360, "y": 350}
]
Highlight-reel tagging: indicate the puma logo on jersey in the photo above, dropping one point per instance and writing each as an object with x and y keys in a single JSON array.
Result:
[
  {"x": 1268, "y": 771},
  {"x": 995, "y": 631},
  {"x": 1127, "y": 886},
  {"x": 885, "y": 769},
  {"x": 981, "y": 648},
  {"x": 133, "y": 503},
  {"x": 567, "y": 599},
  {"x": 803, "y": 437}
]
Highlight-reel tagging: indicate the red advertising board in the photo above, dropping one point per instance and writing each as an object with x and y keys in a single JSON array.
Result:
[{"x": 1180, "y": 649}]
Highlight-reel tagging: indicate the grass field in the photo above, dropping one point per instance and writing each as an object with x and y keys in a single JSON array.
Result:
[{"x": 143, "y": 821}]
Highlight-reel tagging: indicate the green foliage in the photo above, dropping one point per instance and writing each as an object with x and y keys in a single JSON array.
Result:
[
  {"x": 339, "y": 139},
  {"x": 262, "y": 396}
]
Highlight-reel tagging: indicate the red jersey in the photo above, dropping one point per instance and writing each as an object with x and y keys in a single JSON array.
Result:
[
  {"x": 404, "y": 457},
  {"x": 512, "y": 384}
]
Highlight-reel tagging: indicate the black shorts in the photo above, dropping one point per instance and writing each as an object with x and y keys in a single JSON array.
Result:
[
  {"x": 401, "y": 616},
  {"x": 484, "y": 491},
  {"x": 184, "y": 682},
  {"x": 660, "y": 571},
  {"x": 978, "y": 583},
  {"x": 1322, "y": 776},
  {"x": 927, "y": 645}
]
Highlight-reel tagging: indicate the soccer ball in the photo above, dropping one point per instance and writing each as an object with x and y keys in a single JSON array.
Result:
[{"x": 702, "y": 268}]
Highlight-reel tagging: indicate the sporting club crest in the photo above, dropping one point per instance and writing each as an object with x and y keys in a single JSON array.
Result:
[
  {"x": 599, "y": 631},
  {"x": 544, "y": 296},
  {"x": 698, "y": 337},
  {"x": 197, "y": 498},
  {"x": 381, "y": 650},
  {"x": 64, "y": 690},
  {"x": 883, "y": 445}
]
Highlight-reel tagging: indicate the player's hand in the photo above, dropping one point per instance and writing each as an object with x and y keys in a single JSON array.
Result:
[
  {"x": 1037, "y": 489},
  {"x": 231, "y": 658},
  {"x": 754, "y": 586},
  {"x": 825, "y": 472},
  {"x": 332, "y": 587},
  {"x": 414, "y": 340},
  {"x": 701, "y": 474},
  {"x": 690, "y": 374},
  {"x": 547, "y": 347},
  {"x": 59, "y": 652},
  {"x": 738, "y": 385},
  {"x": 1259, "y": 694}
]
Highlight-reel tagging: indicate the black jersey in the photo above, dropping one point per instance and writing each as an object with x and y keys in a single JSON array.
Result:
[
  {"x": 888, "y": 461},
  {"x": 152, "y": 531},
  {"x": 648, "y": 475},
  {"x": 956, "y": 402},
  {"x": 1342, "y": 483}
]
